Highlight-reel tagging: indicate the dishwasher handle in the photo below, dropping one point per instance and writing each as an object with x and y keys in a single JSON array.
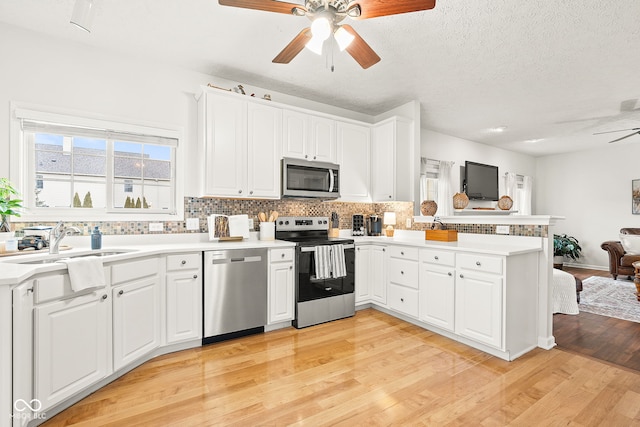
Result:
[{"x": 256, "y": 258}]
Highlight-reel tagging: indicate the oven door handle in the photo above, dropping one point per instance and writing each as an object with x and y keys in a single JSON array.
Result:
[{"x": 313, "y": 248}]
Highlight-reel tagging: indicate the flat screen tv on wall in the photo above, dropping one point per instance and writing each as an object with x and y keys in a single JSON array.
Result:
[{"x": 480, "y": 181}]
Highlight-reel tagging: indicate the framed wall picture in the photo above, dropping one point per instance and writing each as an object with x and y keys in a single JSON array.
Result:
[{"x": 635, "y": 196}]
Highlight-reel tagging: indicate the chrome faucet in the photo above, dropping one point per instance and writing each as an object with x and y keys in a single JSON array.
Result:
[{"x": 57, "y": 234}]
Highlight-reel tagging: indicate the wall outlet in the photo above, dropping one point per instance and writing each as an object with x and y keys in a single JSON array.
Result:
[
  {"x": 193, "y": 223},
  {"x": 502, "y": 229},
  {"x": 156, "y": 226},
  {"x": 251, "y": 226},
  {"x": 408, "y": 223}
]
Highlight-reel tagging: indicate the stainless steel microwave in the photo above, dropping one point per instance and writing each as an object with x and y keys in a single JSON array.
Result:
[{"x": 306, "y": 179}]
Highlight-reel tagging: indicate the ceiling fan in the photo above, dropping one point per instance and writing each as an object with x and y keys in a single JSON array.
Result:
[
  {"x": 636, "y": 131},
  {"x": 326, "y": 16}
]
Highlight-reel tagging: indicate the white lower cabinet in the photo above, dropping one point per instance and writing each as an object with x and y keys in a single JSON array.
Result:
[
  {"x": 71, "y": 346},
  {"x": 281, "y": 286},
  {"x": 479, "y": 307},
  {"x": 136, "y": 320},
  {"x": 402, "y": 273},
  {"x": 437, "y": 295},
  {"x": 378, "y": 274},
  {"x": 363, "y": 279},
  {"x": 184, "y": 297}
]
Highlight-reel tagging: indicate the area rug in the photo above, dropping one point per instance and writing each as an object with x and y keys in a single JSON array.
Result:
[{"x": 608, "y": 297}]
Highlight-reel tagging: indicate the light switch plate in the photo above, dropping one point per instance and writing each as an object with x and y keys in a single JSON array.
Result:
[
  {"x": 193, "y": 223},
  {"x": 502, "y": 229},
  {"x": 408, "y": 223},
  {"x": 155, "y": 226},
  {"x": 251, "y": 226}
]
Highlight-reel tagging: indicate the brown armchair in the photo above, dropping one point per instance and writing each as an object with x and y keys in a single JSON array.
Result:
[{"x": 619, "y": 261}]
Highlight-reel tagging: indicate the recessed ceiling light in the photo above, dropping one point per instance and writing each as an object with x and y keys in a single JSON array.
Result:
[{"x": 498, "y": 129}]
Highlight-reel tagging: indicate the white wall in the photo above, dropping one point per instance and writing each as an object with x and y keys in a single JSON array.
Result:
[
  {"x": 592, "y": 190},
  {"x": 439, "y": 146},
  {"x": 61, "y": 74}
]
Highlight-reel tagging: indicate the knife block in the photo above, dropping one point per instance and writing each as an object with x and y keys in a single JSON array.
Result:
[{"x": 334, "y": 232}]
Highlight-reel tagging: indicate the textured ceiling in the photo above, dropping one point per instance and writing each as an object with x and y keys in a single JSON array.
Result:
[{"x": 552, "y": 70}]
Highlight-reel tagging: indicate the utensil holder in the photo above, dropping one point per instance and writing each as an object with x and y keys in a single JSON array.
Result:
[{"x": 267, "y": 231}]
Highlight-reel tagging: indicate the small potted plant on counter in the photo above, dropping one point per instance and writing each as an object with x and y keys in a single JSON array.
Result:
[
  {"x": 564, "y": 245},
  {"x": 8, "y": 206}
]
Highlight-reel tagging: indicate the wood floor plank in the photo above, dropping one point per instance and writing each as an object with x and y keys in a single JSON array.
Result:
[{"x": 371, "y": 369}]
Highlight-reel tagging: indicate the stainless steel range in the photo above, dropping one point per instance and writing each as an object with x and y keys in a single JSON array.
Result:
[{"x": 325, "y": 266}]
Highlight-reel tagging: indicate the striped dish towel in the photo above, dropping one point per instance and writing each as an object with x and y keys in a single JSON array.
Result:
[
  {"x": 323, "y": 261},
  {"x": 337, "y": 259}
]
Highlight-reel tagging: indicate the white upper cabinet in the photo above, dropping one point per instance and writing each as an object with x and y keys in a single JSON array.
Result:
[
  {"x": 354, "y": 148},
  {"x": 239, "y": 146},
  {"x": 308, "y": 137},
  {"x": 392, "y": 160}
]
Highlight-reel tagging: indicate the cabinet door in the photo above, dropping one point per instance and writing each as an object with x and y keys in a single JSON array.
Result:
[
  {"x": 354, "y": 154},
  {"x": 184, "y": 306},
  {"x": 263, "y": 155},
  {"x": 363, "y": 281},
  {"x": 225, "y": 146},
  {"x": 136, "y": 320},
  {"x": 281, "y": 292},
  {"x": 479, "y": 307},
  {"x": 295, "y": 134},
  {"x": 378, "y": 274},
  {"x": 72, "y": 341},
  {"x": 323, "y": 140},
  {"x": 383, "y": 162},
  {"x": 437, "y": 295}
]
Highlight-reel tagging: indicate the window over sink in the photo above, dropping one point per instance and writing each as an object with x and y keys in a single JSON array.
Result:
[{"x": 75, "y": 166}]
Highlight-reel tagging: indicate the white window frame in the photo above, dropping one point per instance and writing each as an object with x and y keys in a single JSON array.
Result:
[{"x": 22, "y": 173}]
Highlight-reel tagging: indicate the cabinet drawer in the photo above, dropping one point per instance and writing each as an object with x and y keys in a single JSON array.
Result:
[
  {"x": 127, "y": 271},
  {"x": 403, "y": 299},
  {"x": 487, "y": 264},
  {"x": 184, "y": 261},
  {"x": 285, "y": 254},
  {"x": 403, "y": 272},
  {"x": 404, "y": 252},
  {"x": 439, "y": 257},
  {"x": 56, "y": 287}
]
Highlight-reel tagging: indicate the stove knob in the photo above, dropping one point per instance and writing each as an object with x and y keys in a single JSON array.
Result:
[
  {"x": 324, "y": 222},
  {"x": 286, "y": 223},
  {"x": 279, "y": 222}
]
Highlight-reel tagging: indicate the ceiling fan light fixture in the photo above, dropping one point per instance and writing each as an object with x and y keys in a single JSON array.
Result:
[
  {"x": 343, "y": 38},
  {"x": 315, "y": 45},
  {"x": 83, "y": 13},
  {"x": 354, "y": 12},
  {"x": 321, "y": 28}
]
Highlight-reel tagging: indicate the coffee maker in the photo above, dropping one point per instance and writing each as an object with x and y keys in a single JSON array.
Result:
[{"x": 374, "y": 225}]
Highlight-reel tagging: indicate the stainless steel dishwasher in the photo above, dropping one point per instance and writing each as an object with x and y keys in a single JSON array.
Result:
[{"x": 235, "y": 293}]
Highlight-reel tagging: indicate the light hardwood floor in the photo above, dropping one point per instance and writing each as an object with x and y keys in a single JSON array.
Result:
[{"x": 371, "y": 369}]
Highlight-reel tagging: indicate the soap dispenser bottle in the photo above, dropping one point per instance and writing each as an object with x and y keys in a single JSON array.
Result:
[{"x": 96, "y": 238}]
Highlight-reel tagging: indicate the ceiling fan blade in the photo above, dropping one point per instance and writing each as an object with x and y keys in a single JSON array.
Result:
[
  {"x": 360, "y": 50},
  {"x": 613, "y": 131},
  {"x": 376, "y": 8},
  {"x": 267, "y": 5},
  {"x": 624, "y": 137},
  {"x": 294, "y": 47}
]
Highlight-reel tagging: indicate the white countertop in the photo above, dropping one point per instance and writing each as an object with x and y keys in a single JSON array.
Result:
[{"x": 13, "y": 272}]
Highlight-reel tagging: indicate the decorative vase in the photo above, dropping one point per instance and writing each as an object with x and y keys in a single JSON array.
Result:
[
  {"x": 505, "y": 203},
  {"x": 558, "y": 260},
  {"x": 460, "y": 201},
  {"x": 4, "y": 225},
  {"x": 428, "y": 208}
]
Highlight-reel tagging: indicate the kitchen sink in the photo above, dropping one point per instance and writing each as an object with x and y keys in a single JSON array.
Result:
[{"x": 62, "y": 258}]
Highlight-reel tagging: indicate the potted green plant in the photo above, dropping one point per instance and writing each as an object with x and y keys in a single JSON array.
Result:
[
  {"x": 8, "y": 206},
  {"x": 565, "y": 246}
]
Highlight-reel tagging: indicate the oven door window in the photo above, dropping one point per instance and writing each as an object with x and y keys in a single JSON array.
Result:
[
  {"x": 307, "y": 178},
  {"x": 309, "y": 288}
]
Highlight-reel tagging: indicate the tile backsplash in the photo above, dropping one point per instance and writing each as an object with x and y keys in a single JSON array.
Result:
[{"x": 201, "y": 208}]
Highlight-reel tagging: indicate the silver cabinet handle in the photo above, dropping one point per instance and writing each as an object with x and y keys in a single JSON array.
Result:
[
  {"x": 306, "y": 156},
  {"x": 478, "y": 263},
  {"x": 183, "y": 262},
  {"x": 314, "y": 157},
  {"x": 291, "y": 267},
  {"x": 104, "y": 296},
  {"x": 239, "y": 191},
  {"x": 389, "y": 196},
  {"x": 449, "y": 274},
  {"x": 461, "y": 276},
  {"x": 282, "y": 256},
  {"x": 401, "y": 252},
  {"x": 401, "y": 272},
  {"x": 251, "y": 192},
  {"x": 195, "y": 276},
  {"x": 120, "y": 292},
  {"x": 384, "y": 249},
  {"x": 436, "y": 257},
  {"x": 402, "y": 299}
]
